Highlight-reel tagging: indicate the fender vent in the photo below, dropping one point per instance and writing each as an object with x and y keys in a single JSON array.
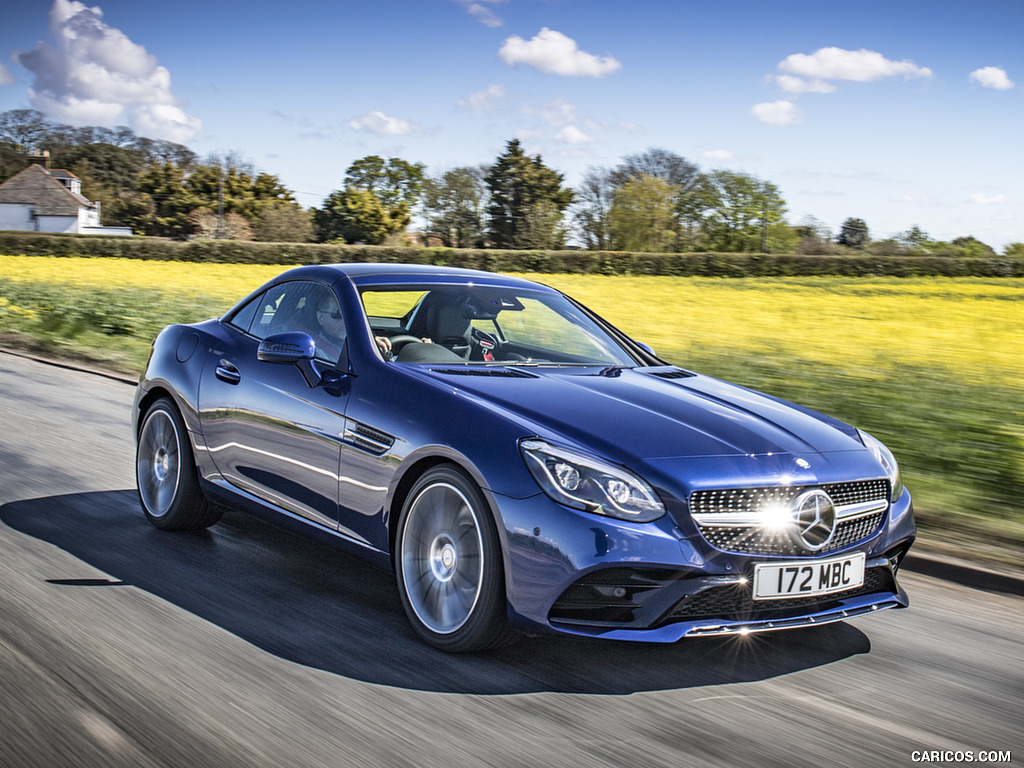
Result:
[{"x": 367, "y": 438}]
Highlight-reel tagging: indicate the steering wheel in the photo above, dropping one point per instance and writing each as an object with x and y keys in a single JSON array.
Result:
[{"x": 399, "y": 341}]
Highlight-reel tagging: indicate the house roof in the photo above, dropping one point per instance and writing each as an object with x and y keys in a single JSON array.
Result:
[{"x": 37, "y": 186}]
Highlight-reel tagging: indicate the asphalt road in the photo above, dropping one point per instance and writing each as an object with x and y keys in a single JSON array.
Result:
[{"x": 121, "y": 645}]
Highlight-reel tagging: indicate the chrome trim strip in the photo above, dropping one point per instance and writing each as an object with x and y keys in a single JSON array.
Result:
[
  {"x": 828, "y": 617},
  {"x": 754, "y": 519},
  {"x": 849, "y": 511},
  {"x": 729, "y": 519}
]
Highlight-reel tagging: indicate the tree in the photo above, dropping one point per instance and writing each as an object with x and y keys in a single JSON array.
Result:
[
  {"x": 283, "y": 222},
  {"x": 161, "y": 152},
  {"x": 376, "y": 203},
  {"x": 643, "y": 216},
  {"x": 234, "y": 189},
  {"x": 743, "y": 209},
  {"x": 676, "y": 171},
  {"x": 168, "y": 201},
  {"x": 113, "y": 167},
  {"x": 23, "y": 128},
  {"x": 592, "y": 208},
  {"x": 355, "y": 216},
  {"x": 393, "y": 181},
  {"x": 915, "y": 237},
  {"x": 517, "y": 184},
  {"x": 815, "y": 238},
  {"x": 453, "y": 205},
  {"x": 542, "y": 228},
  {"x": 853, "y": 233},
  {"x": 12, "y": 160},
  {"x": 232, "y": 226},
  {"x": 1014, "y": 250},
  {"x": 671, "y": 168}
]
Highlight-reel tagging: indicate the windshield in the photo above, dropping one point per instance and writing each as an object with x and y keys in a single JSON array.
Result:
[{"x": 474, "y": 324}]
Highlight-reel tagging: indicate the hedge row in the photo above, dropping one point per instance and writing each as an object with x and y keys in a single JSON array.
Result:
[{"x": 577, "y": 262}]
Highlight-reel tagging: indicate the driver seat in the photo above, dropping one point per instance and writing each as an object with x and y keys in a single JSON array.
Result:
[{"x": 450, "y": 329}]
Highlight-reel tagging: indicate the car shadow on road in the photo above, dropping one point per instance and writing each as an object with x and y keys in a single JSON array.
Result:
[{"x": 311, "y": 604}]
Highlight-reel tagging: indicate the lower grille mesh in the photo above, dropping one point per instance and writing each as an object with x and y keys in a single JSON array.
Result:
[{"x": 734, "y": 603}]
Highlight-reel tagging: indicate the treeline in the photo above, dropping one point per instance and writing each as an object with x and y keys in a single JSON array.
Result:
[
  {"x": 567, "y": 262},
  {"x": 652, "y": 202}
]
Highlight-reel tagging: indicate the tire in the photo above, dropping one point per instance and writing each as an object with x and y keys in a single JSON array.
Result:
[
  {"x": 449, "y": 566},
  {"x": 165, "y": 472}
]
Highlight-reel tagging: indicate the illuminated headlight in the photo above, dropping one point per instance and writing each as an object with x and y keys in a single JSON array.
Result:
[
  {"x": 888, "y": 462},
  {"x": 585, "y": 482}
]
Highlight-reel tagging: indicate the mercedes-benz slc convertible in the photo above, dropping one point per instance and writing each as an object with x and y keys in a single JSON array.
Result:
[{"x": 521, "y": 465}]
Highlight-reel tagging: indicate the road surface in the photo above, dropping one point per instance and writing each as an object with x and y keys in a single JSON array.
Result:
[{"x": 121, "y": 645}]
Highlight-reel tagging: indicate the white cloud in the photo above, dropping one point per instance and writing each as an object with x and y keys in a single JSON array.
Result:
[
  {"x": 983, "y": 199},
  {"x": 75, "y": 111},
  {"x": 6, "y": 76},
  {"x": 839, "y": 64},
  {"x": 572, "y": 135},
  {"x": 166, "y": 120},
  {"x": 797, "y": 85},
  {"x": 780, "y": 113},
  {"x": 377, "y": 122},
  {"x": 992, "y": 77},
  {"x": 558, "y": 113},
  {"x": 553, "y": 53},
  {"x": 719, "y": 155},
  {"x": 483, "y": 101},
  {"x": 482, "y": 11},
  {"x": 94, "y": 74}
]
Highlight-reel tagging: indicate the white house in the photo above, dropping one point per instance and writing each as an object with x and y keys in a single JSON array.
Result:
[{"x": 42, "y": 200}]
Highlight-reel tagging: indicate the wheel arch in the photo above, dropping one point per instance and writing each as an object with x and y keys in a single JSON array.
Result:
[
  {"x": 423, "y": 461},
  {"x": 146, "y": 402}
]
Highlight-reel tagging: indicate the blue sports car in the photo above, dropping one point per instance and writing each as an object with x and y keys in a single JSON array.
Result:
[{"x": 521, "y": 465}]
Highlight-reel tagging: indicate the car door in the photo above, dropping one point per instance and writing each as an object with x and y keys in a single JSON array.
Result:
[{"x": 268, "y": 432}]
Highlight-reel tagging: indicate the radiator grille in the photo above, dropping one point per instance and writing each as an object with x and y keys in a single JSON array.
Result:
[{"x": 765, "y": 541}]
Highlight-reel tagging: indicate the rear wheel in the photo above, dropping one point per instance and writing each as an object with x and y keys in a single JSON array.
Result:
[
  {"x": 165, "y": 472},
  {"x": 448, "y": 564}
]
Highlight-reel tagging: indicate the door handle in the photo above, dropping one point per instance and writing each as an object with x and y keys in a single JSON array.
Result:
[{"x": 227, "y": 372}]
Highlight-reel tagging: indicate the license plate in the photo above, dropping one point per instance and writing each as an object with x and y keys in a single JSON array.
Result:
[{"x": 780, "y": 581}]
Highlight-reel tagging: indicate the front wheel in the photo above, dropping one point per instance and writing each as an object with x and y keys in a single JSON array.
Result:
[
  {"x": 448, "y": 564},
  {"x": 165, "y": 472}
]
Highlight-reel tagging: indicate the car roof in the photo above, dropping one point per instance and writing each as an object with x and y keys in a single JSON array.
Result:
[{"x": 369, "y": 274}]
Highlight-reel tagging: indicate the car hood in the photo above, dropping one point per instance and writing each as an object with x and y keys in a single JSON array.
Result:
[{"x": 648, "y": 413}]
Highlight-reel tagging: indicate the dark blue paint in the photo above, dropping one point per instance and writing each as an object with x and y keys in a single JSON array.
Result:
[{"x": 271, "y": 442}]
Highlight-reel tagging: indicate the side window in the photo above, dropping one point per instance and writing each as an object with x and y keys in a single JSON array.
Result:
[
  {"x": 307, "y": 306},
  {"x": 330, "y": 333},
  {"x": 242, "y": 319}
]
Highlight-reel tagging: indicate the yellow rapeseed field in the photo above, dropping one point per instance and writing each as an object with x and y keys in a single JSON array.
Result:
[
  {"x": 227, "y": 282},
  {"x": 969, "y": 327}
]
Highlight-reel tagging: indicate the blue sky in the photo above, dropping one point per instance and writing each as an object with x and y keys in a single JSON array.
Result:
[{"x": 896, "y": 112}]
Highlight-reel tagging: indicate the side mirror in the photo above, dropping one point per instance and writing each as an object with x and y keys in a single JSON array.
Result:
[
  {"x": 291, "y": 348},
  {"x": 646, "y": 348}
]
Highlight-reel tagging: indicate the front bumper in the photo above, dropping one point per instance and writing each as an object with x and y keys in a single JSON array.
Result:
[{"x": 579, "y": 574}]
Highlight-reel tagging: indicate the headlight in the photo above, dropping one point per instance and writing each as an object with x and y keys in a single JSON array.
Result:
[
  {"x": 585, "y": 482},
  {"x": 888, "y": 462}
]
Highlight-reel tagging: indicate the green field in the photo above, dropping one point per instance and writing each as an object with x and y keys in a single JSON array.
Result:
[{"x": 932, "y": 366}]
